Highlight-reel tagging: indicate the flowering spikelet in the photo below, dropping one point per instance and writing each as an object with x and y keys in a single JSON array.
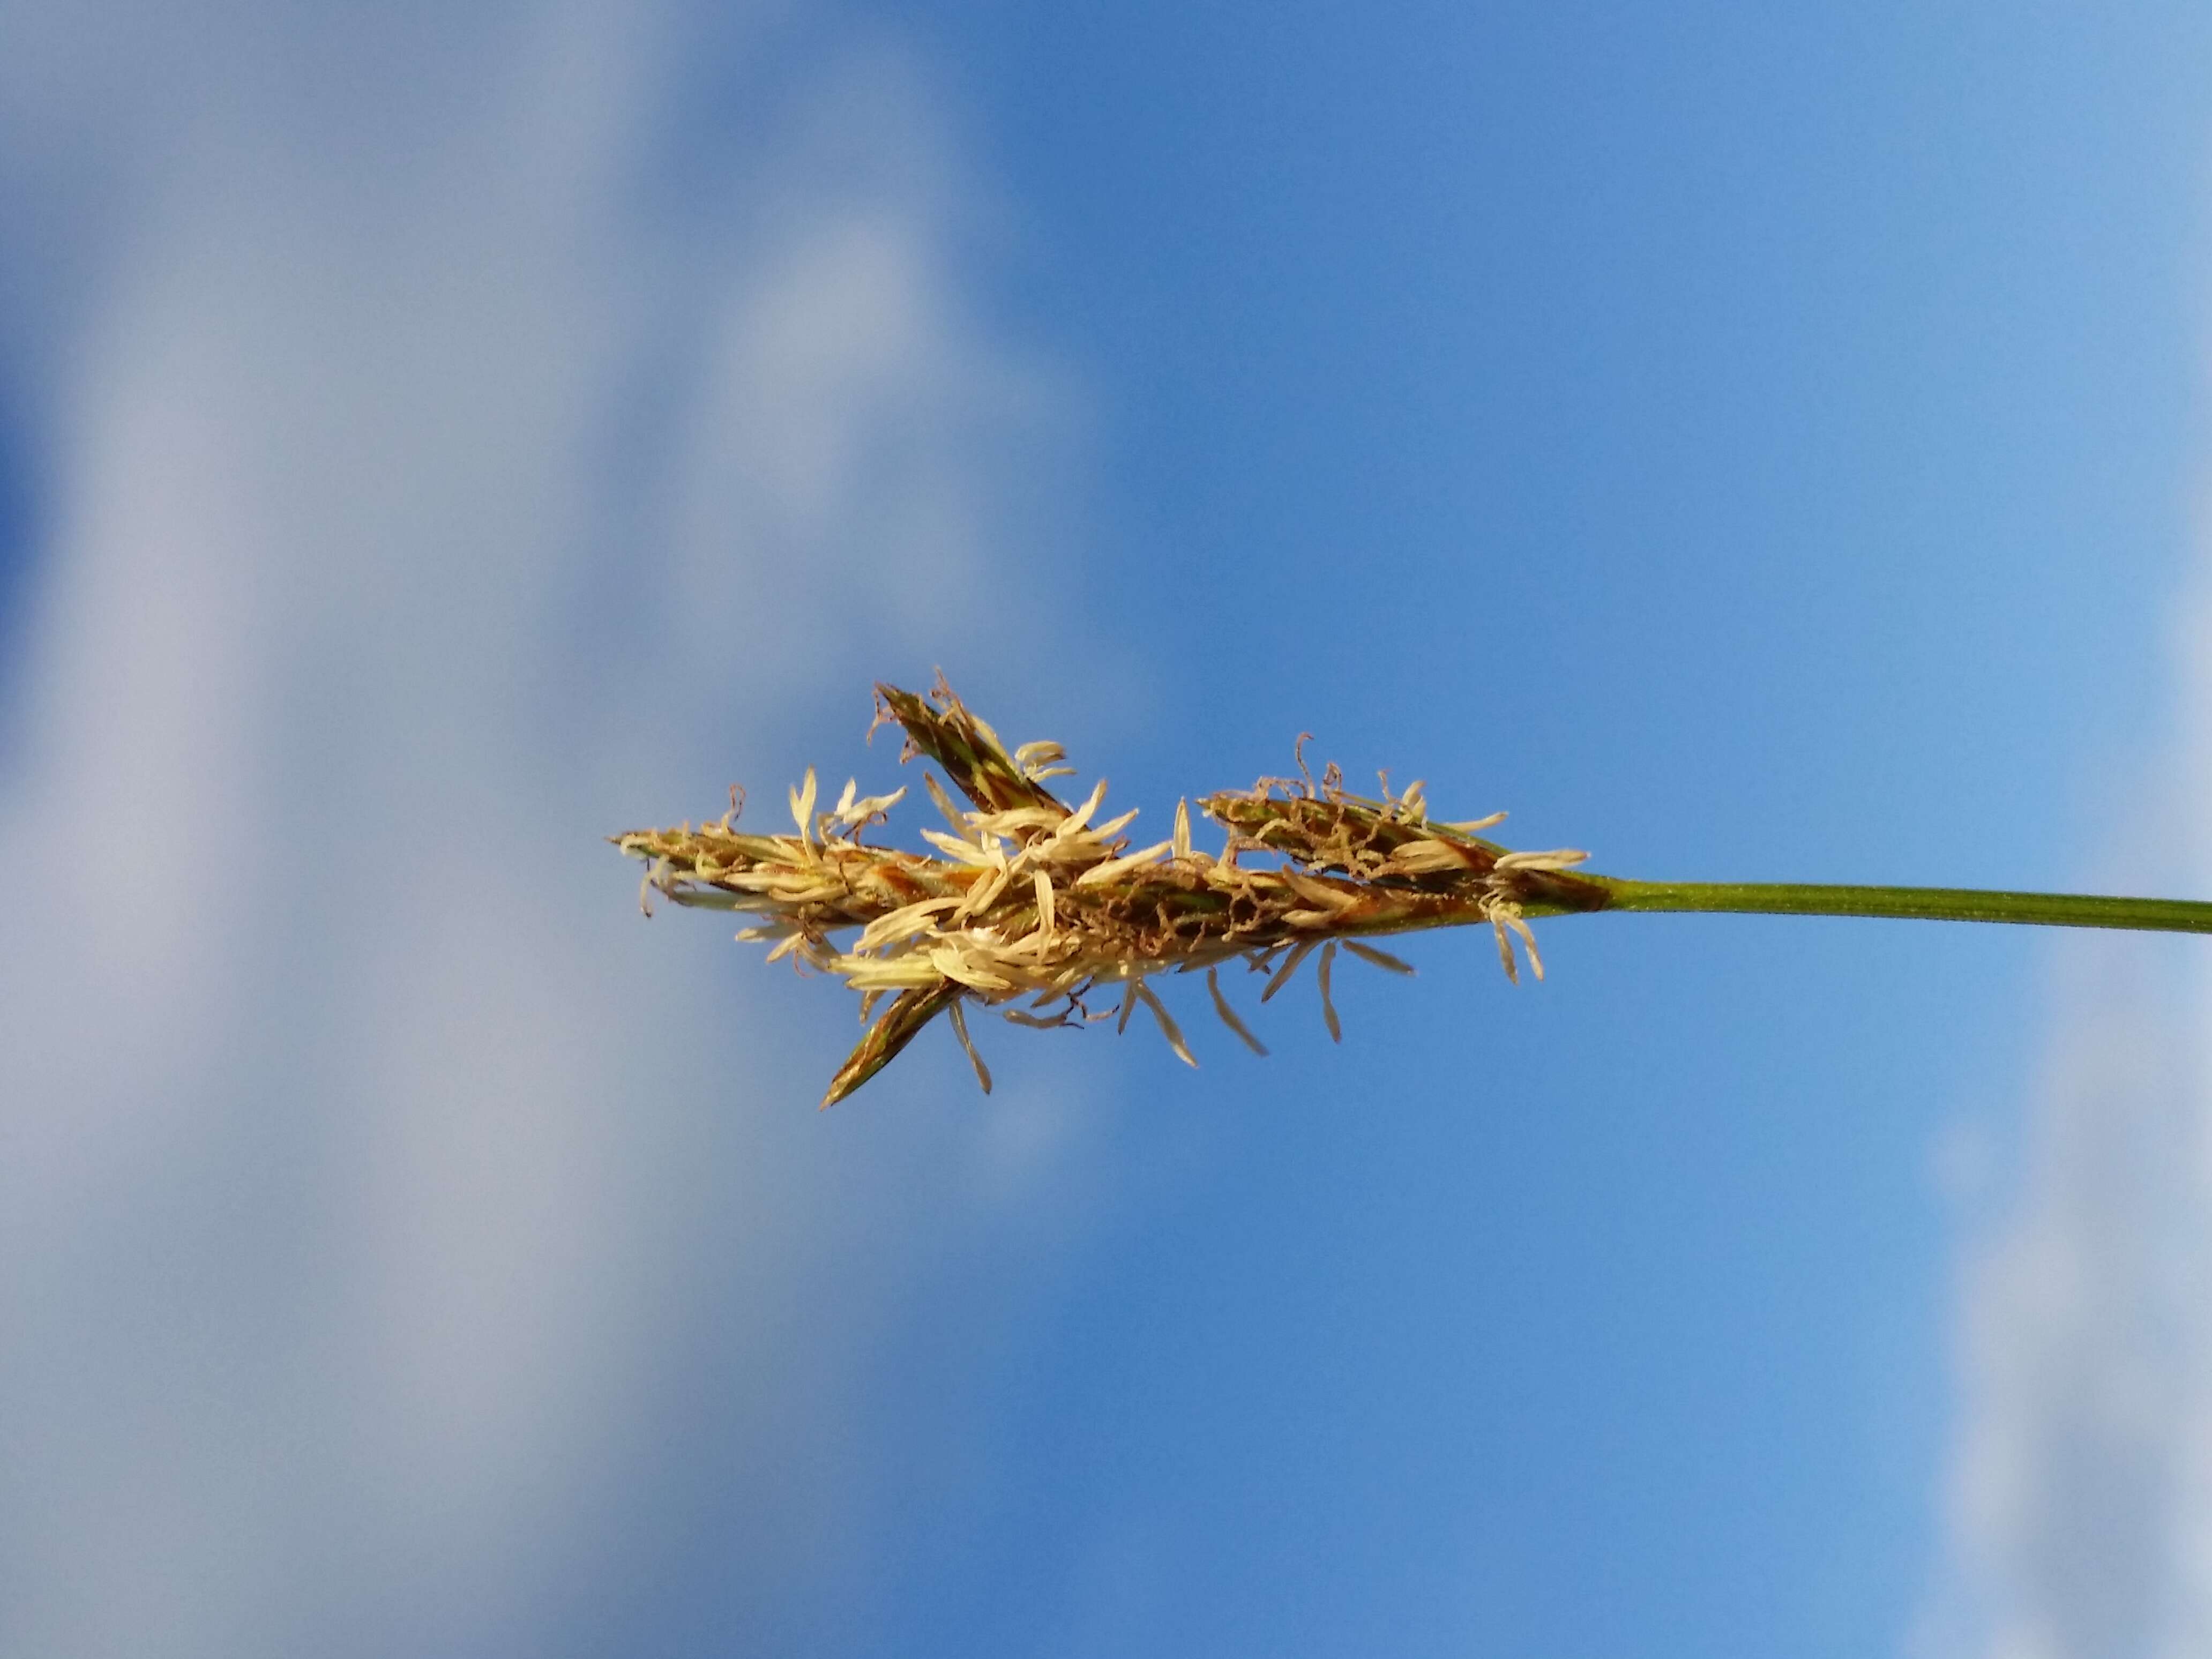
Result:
[{"x": 1030, "y": 905}]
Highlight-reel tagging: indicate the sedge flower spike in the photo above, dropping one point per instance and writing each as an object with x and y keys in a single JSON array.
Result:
[{"x": 1034, "y": 908}]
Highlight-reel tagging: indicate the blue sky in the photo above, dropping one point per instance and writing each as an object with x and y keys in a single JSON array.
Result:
[{"x": 1746, "y": 445}]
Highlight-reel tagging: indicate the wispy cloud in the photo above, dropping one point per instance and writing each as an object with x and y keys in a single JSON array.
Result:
[
  {"x": 447, "y": 467},
  {"x": 2079, "y": 1495}
]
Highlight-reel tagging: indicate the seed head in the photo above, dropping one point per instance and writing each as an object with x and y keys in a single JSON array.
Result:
[{"x": 1031, "y": 907}]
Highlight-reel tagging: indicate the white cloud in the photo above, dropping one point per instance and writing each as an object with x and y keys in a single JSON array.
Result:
[
  {"x": 2079, "y": 1501},
  {"x": 432, "y": 494}
]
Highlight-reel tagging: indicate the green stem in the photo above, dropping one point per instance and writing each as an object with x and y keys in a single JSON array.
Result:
[{"x": 1925, "y": 903}]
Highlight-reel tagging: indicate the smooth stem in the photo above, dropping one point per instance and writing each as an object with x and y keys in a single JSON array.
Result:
[{"x": 1925, "y": 903}]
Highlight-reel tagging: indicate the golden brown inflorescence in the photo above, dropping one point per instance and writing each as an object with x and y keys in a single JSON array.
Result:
[{"x": 1031, "y": 906}]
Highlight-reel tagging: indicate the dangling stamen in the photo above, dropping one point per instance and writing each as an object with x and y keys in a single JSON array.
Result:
[
  {"x": 1229, "y": 1015},
  {"x": 1169, "y": 1028},
  {"x": 960, "y": 1030},
  {"x": 1381, "y": 959}
]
